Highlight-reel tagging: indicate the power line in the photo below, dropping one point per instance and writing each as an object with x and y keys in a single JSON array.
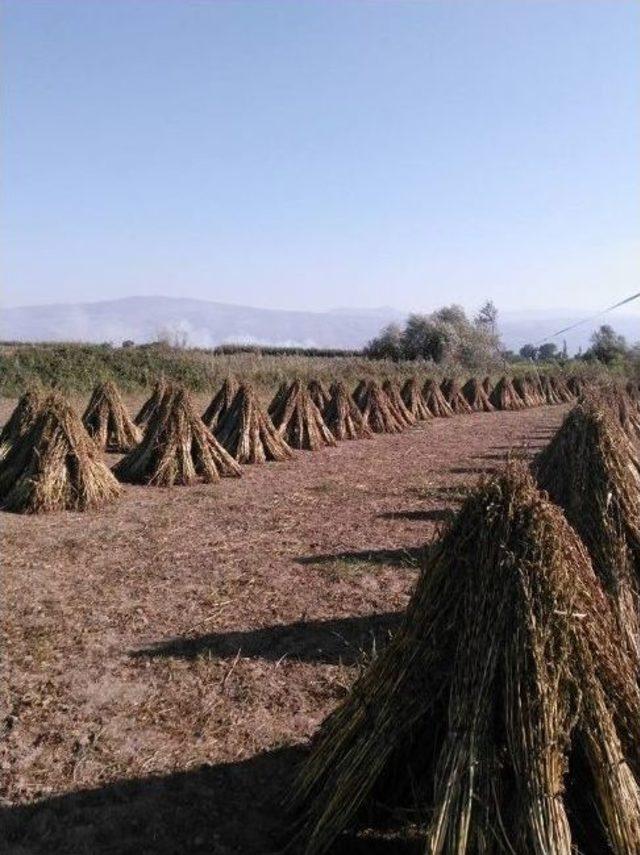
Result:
[{"x": 588, "y": 320}]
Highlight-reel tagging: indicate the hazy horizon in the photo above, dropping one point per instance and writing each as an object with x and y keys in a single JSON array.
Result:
[{"x": 313, "y": 155}]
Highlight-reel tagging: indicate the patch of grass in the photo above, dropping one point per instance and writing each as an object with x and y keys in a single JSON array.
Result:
[{"x": 348, "y": 568}]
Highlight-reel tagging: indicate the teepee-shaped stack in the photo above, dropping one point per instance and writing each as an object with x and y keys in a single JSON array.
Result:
[
  {"x": 524, "y": 391},
  {"x": 476, "y": 396},
  {"x": 413, "y": 400},
  {"x": 299, "y": 422},
  {"x": 454, "y": 397},
  {"x": 392, "y": 391},
  {"x": 220, "y": 404},
  {"x": 55, "y": 465},
  {"x": 592, "y": 471},
  {"x": 504, "y": 715},
  {"x": 377, "y": 410},
  {"x": 106, "y": 420},
  {"x": 177, "y": 448},
  {"x": 505, "y": 397},
  {"x": 342, "y": 416},
  {"x": 248, "y": 433},
  {"x": 435, "y": 401},
  {"x": 548, "y": 390}
]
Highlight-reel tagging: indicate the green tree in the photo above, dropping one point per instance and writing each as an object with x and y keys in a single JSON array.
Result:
[
  {"x": 546, "y": 351},
  {"x": 529, "y": 351},
  {"x": 607, "y": 346}
]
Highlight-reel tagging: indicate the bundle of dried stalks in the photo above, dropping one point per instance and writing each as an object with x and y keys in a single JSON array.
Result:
[
  {"x": 548, "y": 391},
  {"x": 299, "y": 422},
  {"x": 413, "y": 400},
  {"x": 505, "y": 712},
  {"x": 576, "y": 385},
  {"x": 487, "y": 385},
  {"x": 342, "y": 416},
  {"x": 453, "y": 396},
  {"x": 248, "y": 433},
  {"x": 319, "y": 394},
  {"x": 505, "y": 397},
  {"x": 525, "y": 391},
  {"x": 55, "y": 465},
  {"x": 616, "y": 401},
  {"x": 476, "y": 396},
  {"x": 220, "y": 404},
  {"x": 592, "y": 471},
  {"x": 152, "y": 403},
  {"x": 435, "y": 401},
  {"x": 106, "y": 420},
  {"x": 377, "y": 410},
  {"x": 393, "y": 393},
  {"x": 20, "y": 419},
  {"x": 535, "y": 389},
  {"x": 559, "y": 385},
  {"x": 177, "y": 448}
]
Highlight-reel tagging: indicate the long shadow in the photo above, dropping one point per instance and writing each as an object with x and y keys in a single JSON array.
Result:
[
  {"x": 514, "y": 454},
  {"x": 337, "y": 641},
  {"x": 229, "y": 808},
  {"x": 239, "y": 808},
  {"x": 410, "y": 556},
  {"x": 433, "y": 515},
  {"x": 474, "y": 470}
]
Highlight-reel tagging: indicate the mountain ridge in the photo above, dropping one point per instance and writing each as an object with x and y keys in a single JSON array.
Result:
[{"x": 209, "y": 323}]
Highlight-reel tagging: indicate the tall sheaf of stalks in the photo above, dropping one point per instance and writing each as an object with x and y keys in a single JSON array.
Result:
[
  {"x": 592, "y": 471},
  {"x": 299, "y": 422},
  {"x": 435, "y": 401},
  {"x": 106, "y": 420},
  {"x": 505, "y": 397},
  {"x": 413, "y": 400},
  {"x": 504, "y": 715},
  {"x": 55, "y": 465},
  {"x": 248, "y": 433},
  {"x": 476, "y": 396},
  {"x": 378, "y": 412},
  {"x": 453, "y": 396},
  {"x": 392, "y": 391},
  {"x": 342, "y": 416},
  {"x": 177, "y": 448}
]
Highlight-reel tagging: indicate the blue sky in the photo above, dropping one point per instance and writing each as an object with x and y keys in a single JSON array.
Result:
[{"x": 321, "y": 154}]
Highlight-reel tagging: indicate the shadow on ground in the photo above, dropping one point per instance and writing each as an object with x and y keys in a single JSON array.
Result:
[
  {"x": 410, "y": 557},
  {"x": 433, "y": 515},
  {"x": 474, "y": 470},
  {"x": 341, "y": 640},
  {"x": 229, "y": 808},
  {"x": 240, "y": 808}
]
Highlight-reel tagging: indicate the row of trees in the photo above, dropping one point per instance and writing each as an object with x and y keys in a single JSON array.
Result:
[
  {"x": 607, "y": 346},
  {"x": 447, "y": 335}
]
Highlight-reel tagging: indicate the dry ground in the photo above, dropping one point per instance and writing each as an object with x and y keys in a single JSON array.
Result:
[{"x": 165, "y": 658}]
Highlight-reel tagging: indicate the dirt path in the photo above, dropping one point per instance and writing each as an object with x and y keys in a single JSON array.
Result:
[{"x": 165, "y": 656}]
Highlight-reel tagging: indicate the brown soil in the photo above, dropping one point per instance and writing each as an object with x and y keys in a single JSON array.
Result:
[{"x": 166, "y": 657}]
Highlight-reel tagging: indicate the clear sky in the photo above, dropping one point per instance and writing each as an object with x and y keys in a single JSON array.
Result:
[{"x": 319, "y": 154}]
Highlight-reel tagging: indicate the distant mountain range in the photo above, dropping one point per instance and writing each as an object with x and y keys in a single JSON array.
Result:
[{"x": 206, "y": 324}]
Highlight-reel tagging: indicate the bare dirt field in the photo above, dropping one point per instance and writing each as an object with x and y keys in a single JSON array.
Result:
[{"x": 166, "y": 658}]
